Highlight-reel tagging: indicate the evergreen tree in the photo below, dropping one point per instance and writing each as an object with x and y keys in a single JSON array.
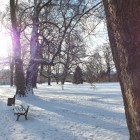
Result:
[{"x": 78, "y": 76}]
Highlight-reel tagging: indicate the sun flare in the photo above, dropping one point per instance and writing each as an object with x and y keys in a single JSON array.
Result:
[{"x": 4, "y": 44}]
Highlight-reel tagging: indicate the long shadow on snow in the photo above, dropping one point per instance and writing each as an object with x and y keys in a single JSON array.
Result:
[
  {"x": 103, "y": 98},
  {"x": 34, "y": 127},
  {"x": 93, "y": 116},
  {"x": 80, "y": 92},
  {"x": 95, "y": 94}
]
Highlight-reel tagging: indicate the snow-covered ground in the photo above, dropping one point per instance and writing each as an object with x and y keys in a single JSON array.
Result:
[{"x": 74, "y": 112}]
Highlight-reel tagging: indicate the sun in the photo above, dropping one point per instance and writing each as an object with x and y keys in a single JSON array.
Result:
[{"x": 5, "y": 44}]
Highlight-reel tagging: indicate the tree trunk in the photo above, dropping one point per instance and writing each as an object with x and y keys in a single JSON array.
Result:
[
  {"x": 31, "y": 72},
  {"x": 64, "y": 76},
  {"x": 49, "y": 75},
  {"x": 34, "y": 79},
  {"x": 108, "y": 72},
  {"x": 11, "y": 74},
  {"x": 19, "y": 73},
  {"x": 124, "y": 34},
  {"x": 57, "y": 80},
  {"x": 19, "y": 78},
  {"x": 33, "y": 66}
]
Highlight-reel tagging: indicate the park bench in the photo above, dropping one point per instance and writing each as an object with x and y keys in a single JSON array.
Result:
[{"x": 21, "y": 110}]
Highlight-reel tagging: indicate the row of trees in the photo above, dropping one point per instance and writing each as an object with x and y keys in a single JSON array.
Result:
[
  {"x": 47, "y": 38},
  {"x": 56, "y": 44},
  {"x": 94, "y": 68}
]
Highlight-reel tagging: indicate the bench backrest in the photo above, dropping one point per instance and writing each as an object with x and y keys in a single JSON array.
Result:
[
  {"x": 25, "y": 106},
  {"x": 27, "y": 109}
]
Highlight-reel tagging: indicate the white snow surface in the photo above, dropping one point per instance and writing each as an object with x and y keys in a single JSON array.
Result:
[{"x": 71, "y": 112}]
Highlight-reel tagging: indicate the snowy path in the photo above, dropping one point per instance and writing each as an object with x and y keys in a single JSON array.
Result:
[{"x": 75, "y": 113}]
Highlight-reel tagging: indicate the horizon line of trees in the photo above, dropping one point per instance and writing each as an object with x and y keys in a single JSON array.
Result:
[{"x": 47, "y": 38}]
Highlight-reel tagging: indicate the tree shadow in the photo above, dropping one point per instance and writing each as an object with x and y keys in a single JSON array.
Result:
[
  {"x": 93, "y": 116},
  {"x": 37, "y": 127}
]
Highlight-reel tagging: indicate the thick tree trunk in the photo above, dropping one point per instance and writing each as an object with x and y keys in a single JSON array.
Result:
[
  {"x": 34, "y": 79},
  {"x": 19, "y": 73},
  {"x": 123, "y": 22},
  {"x": 31, "y": 73},
  {"x": 19, "y": 78},
  {"x": 34, "y": 48}
]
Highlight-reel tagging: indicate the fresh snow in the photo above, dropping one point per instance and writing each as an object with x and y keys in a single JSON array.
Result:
[{"x": 71, "y": 112}]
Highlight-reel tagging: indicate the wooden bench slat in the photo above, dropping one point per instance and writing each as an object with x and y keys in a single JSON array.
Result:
[
  {"x": 18, "y": 110},
  {"x": 21, "y": 110}
]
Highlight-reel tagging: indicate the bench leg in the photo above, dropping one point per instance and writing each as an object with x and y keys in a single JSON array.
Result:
[
  {"x": 17, "y": 117},
  {"x": 26, "y": 117}
]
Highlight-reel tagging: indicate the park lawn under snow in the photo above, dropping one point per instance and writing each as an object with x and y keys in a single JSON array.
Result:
[{"x": 76, "y": 112}]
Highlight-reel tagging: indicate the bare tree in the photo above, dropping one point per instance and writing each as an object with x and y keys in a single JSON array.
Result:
[
  {"x": 95, "y": 65},
  {"x": 64, "y": 16},
  {"x": 107, "y": 56},
  {"x": 19, "y": 73},
  {"x": 32, "y": 70},
  {"x": 22, "y": 20},
  {"x": 123, "y": 28},
  {"x": 72, "y": 53},
  {"x": 45, "y": 25}
]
